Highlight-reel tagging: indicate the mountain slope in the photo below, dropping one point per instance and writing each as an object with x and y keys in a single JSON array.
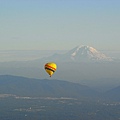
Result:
[
  {"x": 114, "y": 93},
  {"x": 88, "y": 53},
  {"x": 22, "y": 86},
  {"x": 80, "y": 54}
]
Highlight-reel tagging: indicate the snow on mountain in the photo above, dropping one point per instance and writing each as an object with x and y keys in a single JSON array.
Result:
[
  {"x": 88, "y": 53},
  {"x": 81, "y": 54}
]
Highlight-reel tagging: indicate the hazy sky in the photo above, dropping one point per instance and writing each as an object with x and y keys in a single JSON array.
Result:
[{"x": 59, "y": 24}]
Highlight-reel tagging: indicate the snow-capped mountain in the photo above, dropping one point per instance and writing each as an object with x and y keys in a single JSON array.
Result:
[
  {"x": 81, "y": 54},
  {"x": 88, "y": 53}
]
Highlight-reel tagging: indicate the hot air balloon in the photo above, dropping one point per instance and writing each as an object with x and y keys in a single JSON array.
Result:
[{"x": 50, "y": 68}]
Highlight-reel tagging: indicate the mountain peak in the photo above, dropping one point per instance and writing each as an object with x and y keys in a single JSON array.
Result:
[
  {"x": 83, "y": 49},
  {"x": 81, "y": 53},
  {"x": 87, "y": 53}
]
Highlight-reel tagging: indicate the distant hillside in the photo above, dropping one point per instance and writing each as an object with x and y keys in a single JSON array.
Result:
[
  {"x": 114, "y": 94},
  {"x": 22, "y": 86}
]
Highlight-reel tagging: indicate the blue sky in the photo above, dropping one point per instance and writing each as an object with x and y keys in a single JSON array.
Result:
[{"x": 59, "y": 24}]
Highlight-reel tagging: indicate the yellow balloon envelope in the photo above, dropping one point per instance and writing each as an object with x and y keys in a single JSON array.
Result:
[{"x": 50, "y": 68}]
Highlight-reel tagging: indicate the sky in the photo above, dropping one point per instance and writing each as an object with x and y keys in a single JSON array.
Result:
[{"x": 59, "y": 24}]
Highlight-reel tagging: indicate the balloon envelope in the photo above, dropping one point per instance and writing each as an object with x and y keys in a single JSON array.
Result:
[{"x": 50, "y": 68}]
